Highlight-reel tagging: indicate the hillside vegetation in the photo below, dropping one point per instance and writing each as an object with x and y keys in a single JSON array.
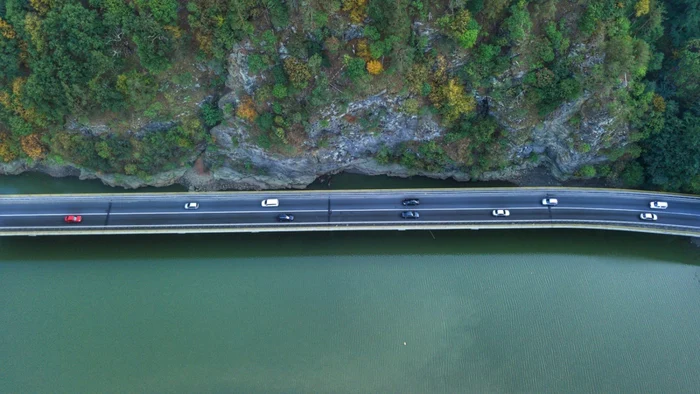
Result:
[{"x": 133, "y": 87}]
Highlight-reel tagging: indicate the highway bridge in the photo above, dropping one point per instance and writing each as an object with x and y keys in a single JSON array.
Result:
[{"x": 347, "y": 210}]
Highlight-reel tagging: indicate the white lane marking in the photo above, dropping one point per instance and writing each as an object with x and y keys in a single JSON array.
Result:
[
  {"x": 432, "y": 209},
  {"x": 538, "y": 208},
  {"x": 402, "y": 209},
  {"x": 664, "y": 212},
  {"x": 159, "y": 213},
  {"x": 345, "y": 224},
  {"x": 349, "y": 224},
  {"x": 193, "y": 212}
]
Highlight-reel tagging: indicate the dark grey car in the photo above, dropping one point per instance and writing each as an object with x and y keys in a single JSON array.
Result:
[
  {"x": 285, "y": 218},
  {"x": 411, "y": 202},
  {"x": 410, "y": 215}
]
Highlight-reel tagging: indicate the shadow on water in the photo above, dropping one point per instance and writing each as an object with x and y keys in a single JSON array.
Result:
[
  {"x": 381, "y": 243},
  {"x": 357, "y": 181},
  {"x": 37, "y": 183}
]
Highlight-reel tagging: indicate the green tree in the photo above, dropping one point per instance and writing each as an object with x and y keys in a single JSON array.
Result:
[
  {"x": 138, "y": 88},
  {"x": 154, "y": 43},
  {"x": 279, "y": 91},
  {"x": 461, "y": 27},
  {"x": 164, "y": 11},
  {"x": 518, "y": 25},
  {"x": 672, "y": 157},
  {"x": 354, "y": 68},
  {"x": 279, "y": 15},
  {"x": 72, "y": 57},
  {"x": 587, "y": 171},
  {"x": 493, "y": 8},
  {"x": 211, "y": 114},
  {"x": 683, "y": 20},
  {"x": 687, "y": 74}
]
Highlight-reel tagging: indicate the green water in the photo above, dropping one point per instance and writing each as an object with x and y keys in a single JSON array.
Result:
[
  {"x": 478, "y": 311},
  {"x": 36, "y": 183}
]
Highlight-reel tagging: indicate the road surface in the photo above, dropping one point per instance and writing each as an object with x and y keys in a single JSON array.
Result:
[{"x": 346, "y": 210}]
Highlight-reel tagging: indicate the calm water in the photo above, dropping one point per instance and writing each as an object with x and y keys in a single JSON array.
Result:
[
  {"x": 35, "y": 183},
  {"x": 389, "y": 312}
]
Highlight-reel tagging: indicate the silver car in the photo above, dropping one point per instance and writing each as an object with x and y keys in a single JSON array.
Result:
[
  {"x": 550, "y": 202},
  {"x": 500, "y": 212},
  {"x": 192, "y": 205},
  {"x": 648, "y": 216}
]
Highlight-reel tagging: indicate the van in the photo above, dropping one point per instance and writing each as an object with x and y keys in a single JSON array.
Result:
[
  {"x": 270, "y": 202},
  {"x": 658, "y": 205}
]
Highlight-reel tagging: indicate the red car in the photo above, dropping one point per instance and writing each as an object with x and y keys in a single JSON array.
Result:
[{"x": 73, "y": 219}]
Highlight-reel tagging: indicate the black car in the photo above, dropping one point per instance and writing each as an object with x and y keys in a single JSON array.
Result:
[
  {"x": 285, "y": 218},
  {"x": 410, "y": 215},
  {"x": 411, "y": 202}
]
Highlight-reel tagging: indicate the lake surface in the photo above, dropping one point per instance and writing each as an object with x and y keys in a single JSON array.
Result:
[
  {"x": 367, "y": 312},
  {"x": 37, "y": 183}
]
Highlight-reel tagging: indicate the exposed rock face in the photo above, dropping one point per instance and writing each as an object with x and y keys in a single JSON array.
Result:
[
  {"x": 337, "y": 143},
  {"x": 557, "y": 137}
]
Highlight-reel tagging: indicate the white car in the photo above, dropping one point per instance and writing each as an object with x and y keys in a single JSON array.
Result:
[
  {"x": 648, "y": 216},
  {"x": 500, "y": 212},
  {"x": 550, "y": 201},
  {"x": 658, "y": 205},
  {"x": 192, "y": 205},
  {"x": 270, "y": 202}
]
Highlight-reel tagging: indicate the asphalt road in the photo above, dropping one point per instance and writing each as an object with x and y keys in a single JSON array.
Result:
[{"x": 30, "y": 214}]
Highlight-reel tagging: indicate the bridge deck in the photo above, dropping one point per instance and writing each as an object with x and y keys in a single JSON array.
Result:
[{"x": 150, "y": 213}]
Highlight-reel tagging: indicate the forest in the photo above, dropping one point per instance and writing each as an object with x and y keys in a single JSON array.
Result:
[{"x": 153, "y": 71}]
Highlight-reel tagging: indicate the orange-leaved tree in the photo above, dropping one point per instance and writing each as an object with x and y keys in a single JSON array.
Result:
[
  {"x": 31, "y": 145},
  {"x": 246, "y": 110}
]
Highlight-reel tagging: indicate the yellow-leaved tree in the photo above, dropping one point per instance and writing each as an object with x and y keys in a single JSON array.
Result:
[
  {"x": 42, "y": 6},
  {"x": 6, "y": 30},
  {"x": 641, "y": 8},
  {"x": 457, "y": 103},
  {"x": 374, "y": 67},
  {"x": 357, "y": 10}
]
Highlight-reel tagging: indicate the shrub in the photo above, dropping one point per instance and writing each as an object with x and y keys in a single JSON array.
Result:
[
  {"x": 266, "y": 121},
  {"x": 383, "y": 156},
  {"x": 411, "y": 106},
  {"x": 332, "y": 44},
  {"x": 256, "y": 63}
]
